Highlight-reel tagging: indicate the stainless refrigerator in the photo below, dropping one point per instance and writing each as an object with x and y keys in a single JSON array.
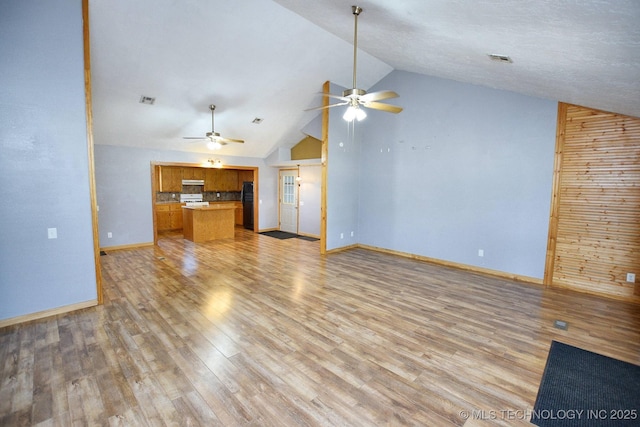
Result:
[{"x": 246, "y": 196}]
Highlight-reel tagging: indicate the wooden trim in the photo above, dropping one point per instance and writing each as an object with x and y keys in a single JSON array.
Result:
[
  {"x": 264, "y": 230},
  {"x": 297, "y": 199},
  {"x": 129, "y": 246},
  {"x": 343, "y": 248},
  {"x": 326, "y": 87},
  {"x": 555, "y": 195},
  {"x": 91, "y": 158},
  {"x": 457, "y": 265},
  {"x": 47, "y": 313},
  {"x": 315, "y": 236},
  {"x": 256, "y": 197},
  {"x": 617, "y": 297},
  {"x": 154, "y": 190},
  {"x": 202, "y": 165}
]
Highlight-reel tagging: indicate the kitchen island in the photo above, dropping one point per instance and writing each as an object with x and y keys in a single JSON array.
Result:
[{"x": 204, "y": 223}]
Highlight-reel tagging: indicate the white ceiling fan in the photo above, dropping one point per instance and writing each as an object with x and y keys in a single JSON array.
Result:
[
  {"x": 215, "y": 140},
  {"x": 356, "y": 98}
]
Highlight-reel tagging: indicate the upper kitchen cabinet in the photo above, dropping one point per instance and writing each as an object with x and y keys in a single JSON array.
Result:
[
  {"x": 193, "y": 173},
  {"x": 221, "y": 180},
  {"x": 210, "y": 179},
  {"x": 170, "y": 179},
  {"x": 244, "y": 175},
  {"x": 229, "y": 180}
]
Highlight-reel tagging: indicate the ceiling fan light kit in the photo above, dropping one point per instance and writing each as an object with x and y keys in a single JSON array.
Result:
[
  {"x": 354, "y": 112},
  {"x": 215, "y": 140},
  {"x": 214, "y": 145},
  {"x": 356, "y": 98}
]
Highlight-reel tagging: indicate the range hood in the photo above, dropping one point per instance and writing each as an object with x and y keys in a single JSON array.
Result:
[{"x": 193, "y": 182}]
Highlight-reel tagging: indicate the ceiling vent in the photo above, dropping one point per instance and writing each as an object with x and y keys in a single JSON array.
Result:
[
  {"x": 147, "y": 100},
  {"x": 499, "y": 58}
]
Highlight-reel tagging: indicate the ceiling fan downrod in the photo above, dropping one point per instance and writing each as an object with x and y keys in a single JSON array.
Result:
[
  {"x": 212, "y": 108},
  {"x": 356, "y": 11}
]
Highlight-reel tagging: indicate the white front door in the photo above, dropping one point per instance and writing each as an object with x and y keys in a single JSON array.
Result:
[{"x": 288, "y": 201}]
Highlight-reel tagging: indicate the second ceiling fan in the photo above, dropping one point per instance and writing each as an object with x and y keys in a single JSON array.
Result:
[
  {"x": 356, "y": 98},
  {"x": 215, "y": 140}
]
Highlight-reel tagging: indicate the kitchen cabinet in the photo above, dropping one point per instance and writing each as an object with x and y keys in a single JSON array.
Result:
[
  {"x": 169, "y": 216},
  {"x": 210, "y": 179},
  {"x": 221, "y": 180},
  {"x": 229, "y": 179},
  {"x": 203, "y": 223},
  {"x": 193, "y": 173},
  {"x": 163, "y": 218},
  {"x": 170, "y": 179},
  {"x": 244, "y": 175}
]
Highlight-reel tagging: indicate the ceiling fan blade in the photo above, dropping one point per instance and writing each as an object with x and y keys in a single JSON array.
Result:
[
  {"x": 327, "y": 106},
  {"x": 378, "y": 96},
  {"x": 330, "y": 95},
  {"x": 383, "y": 107},
  {"x": 223, "y": 140}
]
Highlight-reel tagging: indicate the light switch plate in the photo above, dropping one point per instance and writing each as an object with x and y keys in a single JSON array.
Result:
[{"x": 52, "y": 233}]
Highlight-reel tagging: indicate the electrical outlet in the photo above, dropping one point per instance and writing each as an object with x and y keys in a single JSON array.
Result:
[
  {"x": 52, "y": 233},
  {"x": 342, "y": 235},
  {"x": 631, "y": 277},
  {"x": 109, "y": 235},
  {"x": 352, "y": 234},
  {"x": 480, "y": 252}
]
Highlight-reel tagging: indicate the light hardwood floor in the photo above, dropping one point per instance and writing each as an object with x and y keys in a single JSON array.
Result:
[{"x": 264, "y": 332}]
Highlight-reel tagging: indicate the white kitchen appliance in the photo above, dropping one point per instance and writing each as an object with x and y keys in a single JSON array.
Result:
[
  {"x": 193, "y": 182},
  {"x": 191, "y": 197}
]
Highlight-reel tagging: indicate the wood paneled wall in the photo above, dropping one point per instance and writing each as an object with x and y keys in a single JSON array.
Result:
[{"x": 594, "y": 233}]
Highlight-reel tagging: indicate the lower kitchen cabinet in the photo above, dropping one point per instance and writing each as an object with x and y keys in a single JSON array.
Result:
[
  {"x": 239, "y": 214},
  {"x": 169, "y": 216}
]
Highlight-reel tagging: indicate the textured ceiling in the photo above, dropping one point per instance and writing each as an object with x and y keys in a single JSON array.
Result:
[{"x": 266, "y": 59}]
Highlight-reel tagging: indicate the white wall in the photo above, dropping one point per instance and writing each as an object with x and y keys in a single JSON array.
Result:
[
  {"x": 462, "y": 168},
  {"x": 310, "y": 196},
  {"x": 123, "y": 186},
  {"x": 43, "y": 159},
  {"x": 342, "y": 177}
]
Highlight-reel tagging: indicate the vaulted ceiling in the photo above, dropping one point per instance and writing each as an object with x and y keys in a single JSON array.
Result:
[{"x": 268, "y": 59}]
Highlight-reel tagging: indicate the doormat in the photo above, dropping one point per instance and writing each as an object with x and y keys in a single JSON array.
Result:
[
  {"x": 102, "y": 253},
  {"x": 308, "y": 238},
  {"x": 581, "y": 388},
  {"x": 279, "y": 234}
]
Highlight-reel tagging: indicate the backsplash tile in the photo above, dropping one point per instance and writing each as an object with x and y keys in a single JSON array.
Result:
[{"x": 225, "y": 196}]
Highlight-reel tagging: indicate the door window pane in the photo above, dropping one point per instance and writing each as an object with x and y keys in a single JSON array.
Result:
[{"x": 288, "y": 188}]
